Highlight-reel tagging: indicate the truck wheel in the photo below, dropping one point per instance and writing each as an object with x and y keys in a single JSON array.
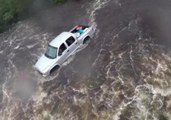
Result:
[
  {"x": 86, "y": 40},
  {"x": 54, "y": 69}
]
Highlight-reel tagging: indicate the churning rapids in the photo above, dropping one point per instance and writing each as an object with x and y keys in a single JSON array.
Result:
[{"x": 123, "y": 74}]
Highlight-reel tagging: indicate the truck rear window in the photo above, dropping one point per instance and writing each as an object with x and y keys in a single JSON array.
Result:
[{"x": 70, "y": 40}]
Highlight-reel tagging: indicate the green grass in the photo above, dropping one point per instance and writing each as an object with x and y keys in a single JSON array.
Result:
[
  {"x": 12, "y": 10},
  {"x": 58, "y": 1},
  {"x": 163, "y": 117}
]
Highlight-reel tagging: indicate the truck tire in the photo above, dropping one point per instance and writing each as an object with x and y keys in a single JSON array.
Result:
[
  {"x": 54, "y": 69},
  {"x": 86, "y": 40}
]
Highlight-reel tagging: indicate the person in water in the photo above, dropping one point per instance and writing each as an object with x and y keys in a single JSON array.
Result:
[{"x": 80, "y": 29}]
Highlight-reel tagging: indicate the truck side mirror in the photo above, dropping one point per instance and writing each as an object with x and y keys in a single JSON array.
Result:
[{"x": 59, "y": 54}]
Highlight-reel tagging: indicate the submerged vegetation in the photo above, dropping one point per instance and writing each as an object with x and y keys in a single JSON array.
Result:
[{"x": 12, "y": 10}]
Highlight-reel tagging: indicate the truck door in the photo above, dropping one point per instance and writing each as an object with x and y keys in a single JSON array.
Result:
[
  {"x": 72, "y": 45},
  {"x": 62, "y": 53}
]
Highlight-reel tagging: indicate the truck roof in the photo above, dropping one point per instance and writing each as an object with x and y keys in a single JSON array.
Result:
[{"x": 60, "y": 39}]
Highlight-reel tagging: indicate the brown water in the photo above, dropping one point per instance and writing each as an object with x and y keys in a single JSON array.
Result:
[{"x": 123, "y": 74}]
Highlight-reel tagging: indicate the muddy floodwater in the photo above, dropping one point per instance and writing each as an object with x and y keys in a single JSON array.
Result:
[{"x": 123, "y": 74}]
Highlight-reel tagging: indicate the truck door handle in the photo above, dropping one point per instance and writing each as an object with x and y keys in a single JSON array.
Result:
[
  {"x": 67, "y": 50},
  {"x": 76, "y": 43}
]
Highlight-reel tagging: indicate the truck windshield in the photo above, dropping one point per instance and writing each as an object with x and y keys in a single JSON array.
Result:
[{"x": 51, "y": 52}]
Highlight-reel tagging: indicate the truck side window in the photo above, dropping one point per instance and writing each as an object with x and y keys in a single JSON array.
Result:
[
  {"x": 62, "y": 48},
  {"x": 70, "y": 40}
]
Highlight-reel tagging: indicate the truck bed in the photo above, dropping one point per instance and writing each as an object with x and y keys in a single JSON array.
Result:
[{"x": 74, "y": 30}]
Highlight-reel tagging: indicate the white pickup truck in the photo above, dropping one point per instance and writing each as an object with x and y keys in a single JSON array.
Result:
[{"x": 63, "y": 46}]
